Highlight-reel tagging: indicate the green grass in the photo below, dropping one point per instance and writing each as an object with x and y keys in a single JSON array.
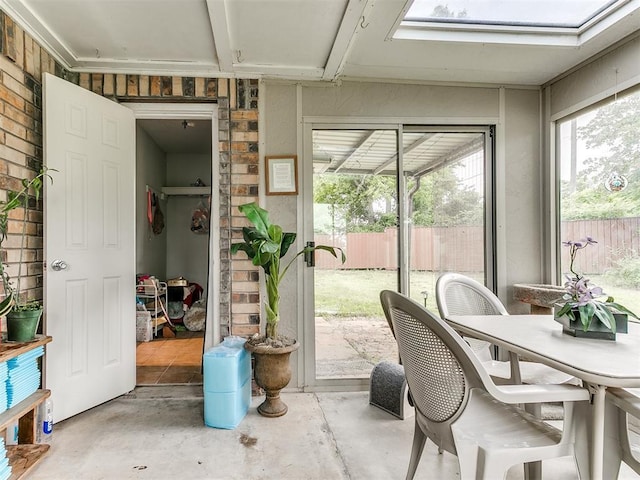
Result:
[
  {"x": 351, "y": 293},
  {"x": 625, "y": 296}
]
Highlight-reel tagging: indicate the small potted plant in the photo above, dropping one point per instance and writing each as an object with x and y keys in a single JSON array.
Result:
[
  {"x": 586, "y": 313},
  {"x": 265, "y": 244},
  {"x": 23, "y": 315}
]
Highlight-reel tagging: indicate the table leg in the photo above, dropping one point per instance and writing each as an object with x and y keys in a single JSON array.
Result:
[
  {"x": 597, "y": 432},
  {"x": 533, "y": 470}
]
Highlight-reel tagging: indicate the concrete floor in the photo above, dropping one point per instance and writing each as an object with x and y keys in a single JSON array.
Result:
[{"x": 158, "y": 433}]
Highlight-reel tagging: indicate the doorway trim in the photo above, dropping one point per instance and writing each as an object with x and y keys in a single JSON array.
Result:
[{"x": 197, "y": 111}]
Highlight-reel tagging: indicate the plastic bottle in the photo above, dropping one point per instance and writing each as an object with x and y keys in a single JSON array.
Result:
[{"x": 47, "y": 420}]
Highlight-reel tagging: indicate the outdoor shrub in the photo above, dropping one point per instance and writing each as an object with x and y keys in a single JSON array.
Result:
[{"x": 626, "y": 271}]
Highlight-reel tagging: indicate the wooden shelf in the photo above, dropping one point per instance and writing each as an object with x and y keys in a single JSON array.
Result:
[
  {"x": 25, "y": 406},
  {"x": 27, "y": 453},
  {"x": 190, "y": 191},
  {"x": 10, "y": 350},
  {"x": 23, "y": 458}
]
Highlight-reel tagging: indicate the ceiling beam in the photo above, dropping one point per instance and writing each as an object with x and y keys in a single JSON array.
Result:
[
  {"x": 142, "y": 67},
  {"x": 220, "y": 29},
  {"x": 278, "y": 71},
  {"x": 353, "y": 20}
]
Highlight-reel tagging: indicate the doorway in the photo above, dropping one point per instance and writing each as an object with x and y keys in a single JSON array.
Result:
[{"x": 175, "y": 235}]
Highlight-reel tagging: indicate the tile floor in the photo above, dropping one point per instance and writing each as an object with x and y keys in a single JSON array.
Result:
[{"x": 170, "y": 360}]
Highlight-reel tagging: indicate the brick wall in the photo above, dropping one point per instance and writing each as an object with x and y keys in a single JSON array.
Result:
[{"x": 22, "y": 63}]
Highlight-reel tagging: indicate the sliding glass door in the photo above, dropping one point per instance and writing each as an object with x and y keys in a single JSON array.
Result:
[
  {"x": 445, "y": 180},
  {"x": 405, "y": 204},
  {"x": 355, "y": 208}
]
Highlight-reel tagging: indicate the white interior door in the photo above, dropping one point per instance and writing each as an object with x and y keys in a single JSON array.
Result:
[{"x": 89, "y": 225}]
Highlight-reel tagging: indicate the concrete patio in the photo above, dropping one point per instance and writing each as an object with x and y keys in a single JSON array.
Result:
[{"x": 158, "y": 433}]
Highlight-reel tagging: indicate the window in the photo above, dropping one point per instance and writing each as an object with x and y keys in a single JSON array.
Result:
[
  {"x": 532, "y": 13},
  {"x": 525, "y": 22},
  {"x": 599, "y": 172}
]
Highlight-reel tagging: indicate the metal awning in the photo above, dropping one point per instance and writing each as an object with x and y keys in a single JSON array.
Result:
[{"x": 373, "y": 152}]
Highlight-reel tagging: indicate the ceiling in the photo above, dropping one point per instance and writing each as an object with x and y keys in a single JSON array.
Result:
[
  {"x": 179, "y": 136},
  {"x": 294, "y": 39},
  {"x": 322, "y": 40}
]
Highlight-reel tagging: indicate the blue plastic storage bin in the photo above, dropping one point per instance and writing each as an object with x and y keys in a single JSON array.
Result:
[
  {"x": 227, "y": 409},
  {"x": 226, "y": 383}
]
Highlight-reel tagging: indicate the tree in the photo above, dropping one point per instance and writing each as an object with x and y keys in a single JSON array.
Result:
[
  {"x": 442, "y": 11},
  {"x": 592, "y": 202},
  {"x": 614, "y": 129},
  {"x": 616, "y": 126},
  {"x": 443, "y": 200},
  {"x": 363, "y": 202},
  {"x": 367, "y": 203}
]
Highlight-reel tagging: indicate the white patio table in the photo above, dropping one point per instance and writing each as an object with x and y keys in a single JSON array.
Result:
[{"x": 598, "y": 363}]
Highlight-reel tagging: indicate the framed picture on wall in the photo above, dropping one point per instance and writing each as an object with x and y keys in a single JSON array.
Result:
[{"x": 281, "y": 175}]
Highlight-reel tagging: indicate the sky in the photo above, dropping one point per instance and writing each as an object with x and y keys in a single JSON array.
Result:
[{"x": 518, "y": 11}]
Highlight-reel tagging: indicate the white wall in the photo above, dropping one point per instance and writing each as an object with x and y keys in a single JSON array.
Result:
[
  {"x": 150, "y": 170},
  {"x": 515, "y": 112},
  {"x": 388, "y": 100},
  {"x": 187, "y": 252},
  {"x": 279, "y": 133},
  {"x": 617, "y": 70},
  {"x": 519, "y": 197}
]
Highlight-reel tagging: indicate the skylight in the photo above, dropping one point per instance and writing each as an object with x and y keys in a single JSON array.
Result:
[
  {"x": 569, "y": 23},
  {"x": 527, "y": 13}
]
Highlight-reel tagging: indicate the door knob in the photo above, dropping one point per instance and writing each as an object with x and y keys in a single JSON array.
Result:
[{"x": 58, "y": 265}]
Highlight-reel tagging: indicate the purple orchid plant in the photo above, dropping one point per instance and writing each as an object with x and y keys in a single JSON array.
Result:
[{"x": 581, "y": 298}]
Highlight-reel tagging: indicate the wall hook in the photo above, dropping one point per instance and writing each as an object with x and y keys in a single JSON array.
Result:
[{"x": 362, "y": 25}]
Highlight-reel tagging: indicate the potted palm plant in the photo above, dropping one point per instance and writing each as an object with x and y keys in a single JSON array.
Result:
[
  {"x": 22, "y": 314},
  {"x": 584, "y": 313},
  {"x": 266, "y": 244}
]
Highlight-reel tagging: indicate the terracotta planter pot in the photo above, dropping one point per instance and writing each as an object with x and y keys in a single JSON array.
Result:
[
  {"x": 22, "y": 325},
  {"x": 272, "y": 372}
]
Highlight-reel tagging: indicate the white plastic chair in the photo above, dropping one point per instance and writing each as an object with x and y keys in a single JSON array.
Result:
[
  {"x": 621, "y": 403},
  {"x": 462, "y": 411},
  {"x": 458, "y": 294}
]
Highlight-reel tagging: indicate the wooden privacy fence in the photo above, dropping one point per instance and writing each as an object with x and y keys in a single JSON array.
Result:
[
  {"x": 462, "y": 248},
  {"x": 617, "y": 238},
  {"x": 431, "y": 248}
]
